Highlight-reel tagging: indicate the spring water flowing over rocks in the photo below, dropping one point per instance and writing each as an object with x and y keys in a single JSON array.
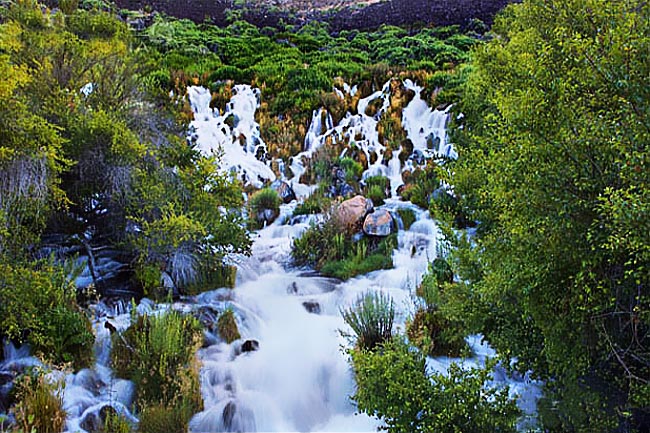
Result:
[{"x": 288, "y": 371}]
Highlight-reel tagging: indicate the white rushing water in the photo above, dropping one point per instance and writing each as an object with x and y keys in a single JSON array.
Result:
[{"x": 298, "y": 378}]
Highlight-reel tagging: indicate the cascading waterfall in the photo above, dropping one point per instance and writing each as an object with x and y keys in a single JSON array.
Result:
[
  {"x": 288, "y": 372},
  {"x": 233, "y": 136}
]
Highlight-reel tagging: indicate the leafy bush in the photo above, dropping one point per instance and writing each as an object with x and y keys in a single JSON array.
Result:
[
  {"x": 371, "y": 319},
  {"x": 227, "y": 326},
  {"x": 261, "y": 203},
  {"x": 158, "y": 354},
  {"x": 39, "y": 307},
  {"x": 40, "y": 404},
  {"x": 435, "y": 335},
  {"x": 353, "y": 169},
  {"x": 392, "y": 384}
]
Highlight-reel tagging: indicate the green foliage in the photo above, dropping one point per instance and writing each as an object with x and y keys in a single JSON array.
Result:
[
  {"x": 115, "y": 423},
  {"x": 39, "y": 307},
  {"x": 554, "y": 167},
  {"x": 266, "y": 199},
  {"x": 421, "y": 184},
  {"x": 371, "y": 318},
  {"x": 331, "y": 249},
  {"x": 377, "y": 189},
  {"x": 161, "y": 418},
  {"x": 227, "y": 326},
  {"x": 315, "y": 203},
  {"x": 40, "y": 404},
  {"x": 353, "y": 169},
  {"x": 392, "y": 383},
  {"x": 407, "y": 216},
  {"x": 158, "y": 354}
]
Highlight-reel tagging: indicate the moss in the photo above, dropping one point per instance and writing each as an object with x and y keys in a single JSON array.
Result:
[{"x": 227, "y": 326}]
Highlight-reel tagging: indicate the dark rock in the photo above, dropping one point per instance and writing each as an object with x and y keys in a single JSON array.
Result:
[
  {"x": 400, "y": 189},
  {"x": 284, "y": 190},
  {"x": 292, "y": 288},
  {"x": 250, "y": 346},
  {"x": 345, "y": 190},
  {"x": 136, "y": 23},
  {"x": 379, "y": 223},
  {"x": 94, "y": 421},
  {"x": 312, "y": 306},
  {"x": 229, "y": 414}
]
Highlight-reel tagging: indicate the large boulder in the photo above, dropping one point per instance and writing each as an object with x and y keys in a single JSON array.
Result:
[
  {"x": 379, "y": 223},
  {"x": 352, "y": 211},
  {"x": 284, "y": 190}
]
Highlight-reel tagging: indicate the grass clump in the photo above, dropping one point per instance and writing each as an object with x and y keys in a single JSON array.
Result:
[
  {"x": 407, "y": 216},
  {"x": 377, "y": 189},
  {"x": 435, "y": 328},
  {"x": 161, "y": 418},
  {"x": 116, "y": 423},
  {"x": 227, "y": 326},
  {"x": 315, "y": 203},
  {"x": 264, "y": 207},
  {"x": 40, "y": 405},
  {"x": 158, "y": 354},
  {"x": 371, "y": 318},
  {"x": 335, "y": 251}
]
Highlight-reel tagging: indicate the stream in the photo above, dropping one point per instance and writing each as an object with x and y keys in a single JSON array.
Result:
[{"x": 289, "y": 370}]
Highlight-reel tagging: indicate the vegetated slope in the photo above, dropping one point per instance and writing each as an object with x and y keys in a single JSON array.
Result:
[{"x": 341, "y": 15}]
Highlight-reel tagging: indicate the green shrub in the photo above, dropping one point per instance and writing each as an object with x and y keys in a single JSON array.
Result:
[
  {"x": 40, "y": 404},
  {"x": 376, "y": 194},
  {"x": 353, "y": 169},
  {"x": 315, "y": 203},
  {"x": 227, "y": 326},
  {"x": 158, "y": 354},
  {"x": 39, "y": 307},
  {"x": 392, "y": 384},
  {"x": 116, "y": 423},
  {"x": 266, "y": 199},
  {"x": 371, "y": 319},
  {"x": 161, "y": 418},
  {"x": 407, "y": 216},
  {"x": 435, "y": 335}
]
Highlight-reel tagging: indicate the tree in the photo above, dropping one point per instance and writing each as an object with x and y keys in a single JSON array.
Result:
[{"x": 554, "y": 166}]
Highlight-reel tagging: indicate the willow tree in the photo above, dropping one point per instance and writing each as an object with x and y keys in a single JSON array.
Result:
[{"x": 554, "y": 166}]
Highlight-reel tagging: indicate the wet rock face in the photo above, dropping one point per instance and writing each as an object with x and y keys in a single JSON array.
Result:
[
  {"x": 312, "y": 307},
  {"x": 250, "y": 346},
  {"x": 351, "y": 211},
  {"x": 284, "y": 190},
  {"x": 379, "y": 223}
]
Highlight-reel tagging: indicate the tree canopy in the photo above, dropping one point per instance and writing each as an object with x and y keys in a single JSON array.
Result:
[{"x": 554, "y": 166}]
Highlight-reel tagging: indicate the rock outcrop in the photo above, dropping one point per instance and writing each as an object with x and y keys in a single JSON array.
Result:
[{"x": 379, "y": 223}]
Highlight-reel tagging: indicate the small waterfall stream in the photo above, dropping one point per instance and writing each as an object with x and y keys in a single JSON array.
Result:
[{"x": 289, "y": 371}]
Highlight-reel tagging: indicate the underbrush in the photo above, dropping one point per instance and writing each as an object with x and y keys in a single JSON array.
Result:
[
  {"x": 338, "y": 252},
  {"x": 40, "y": 404},
  {"x": 158, "y": 354}
]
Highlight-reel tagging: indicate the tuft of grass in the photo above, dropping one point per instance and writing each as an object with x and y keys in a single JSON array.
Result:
[
  {"x": 158, "y": 354},
  {"x": 227, "y": 326},
  {"x": 266, "y": 199},
  {"x": 40, "y": 405},
  {"x": 407, "y": 216},
  {"x": 377, "y": 189},
  {"x": 371, "y": 318},
  {"x": 166, "y": 418},
  {"x": 116, "y": 423}
]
